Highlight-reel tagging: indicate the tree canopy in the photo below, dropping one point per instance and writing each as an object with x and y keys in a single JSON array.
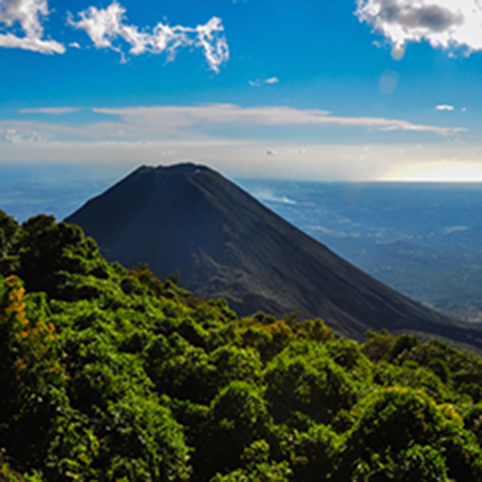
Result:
[{"x": 109, "y": 374}]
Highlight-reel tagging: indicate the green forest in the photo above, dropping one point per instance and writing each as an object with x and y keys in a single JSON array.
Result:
[{"x": 108, "y": 374}]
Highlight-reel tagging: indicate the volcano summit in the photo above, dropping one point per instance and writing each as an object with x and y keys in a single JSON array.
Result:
[{"x": 190, "y": 221}]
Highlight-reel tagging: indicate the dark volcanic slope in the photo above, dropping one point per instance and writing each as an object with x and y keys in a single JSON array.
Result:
[{"x": 190, "y": 221}]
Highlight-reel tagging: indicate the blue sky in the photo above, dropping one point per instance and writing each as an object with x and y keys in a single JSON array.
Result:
[{"x": 306, "y": 89}]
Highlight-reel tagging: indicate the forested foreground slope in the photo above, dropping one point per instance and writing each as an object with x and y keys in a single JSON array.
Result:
[{"x": 108, "y": 374}]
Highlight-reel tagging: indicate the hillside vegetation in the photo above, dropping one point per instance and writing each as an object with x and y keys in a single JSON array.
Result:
[{"x": 108, "y": 374}]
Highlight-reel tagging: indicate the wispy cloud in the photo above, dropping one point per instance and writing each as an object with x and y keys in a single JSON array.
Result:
[
  {"x": 269, "y": 196},
  {"x": 210, "y": 123},
  {"x": 12, "y": 136},
  {"x": 259, "y": 83},
  {"x": 50, "y": 110},
  {"x": 445, "y": 107},
  {"x": 442, "y": 23},
  {"x": 27, "y": 13},
  {"x": 180, "y": 117},
  {"x": 106, "y": 27}
]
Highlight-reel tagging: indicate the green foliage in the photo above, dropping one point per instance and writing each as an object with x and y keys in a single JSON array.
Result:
[
  {"x": 108, "y": 374},
  {"x": 239, "y": 416},
  {"x": 393, "y": 420},
  {"x": 313, "y": 452},
  {"x": 10, "y": 233},
  {"x": 473, "y": 421},
  {"x": 304, "y": 379},
  {"x": 257, "y": 467},
  {"x": 440, "y": 368},
  {"x": 378, "y": 346}
]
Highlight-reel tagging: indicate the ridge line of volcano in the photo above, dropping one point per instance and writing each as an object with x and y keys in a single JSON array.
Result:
[{"x": 190, "y": 221}]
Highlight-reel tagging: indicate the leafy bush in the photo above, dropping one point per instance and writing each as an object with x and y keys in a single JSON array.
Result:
[{"x": 303, "y": 378}]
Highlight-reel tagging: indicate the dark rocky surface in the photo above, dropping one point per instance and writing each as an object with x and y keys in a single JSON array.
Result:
[{"x": 190, "y": 221}]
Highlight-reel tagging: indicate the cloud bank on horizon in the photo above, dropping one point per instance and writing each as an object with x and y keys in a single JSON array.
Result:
[
  {"x": 447, "y": 24},
  {"x": 105, "y": 27}
]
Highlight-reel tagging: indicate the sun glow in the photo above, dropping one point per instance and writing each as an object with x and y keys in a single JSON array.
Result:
[{"x": 444, "y": 171}]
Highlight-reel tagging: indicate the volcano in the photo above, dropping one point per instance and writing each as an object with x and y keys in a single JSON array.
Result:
[{"x": 190, "y": 221}]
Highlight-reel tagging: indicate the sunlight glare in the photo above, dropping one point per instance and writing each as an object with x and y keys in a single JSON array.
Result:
[{"x": 444, "y": 171}]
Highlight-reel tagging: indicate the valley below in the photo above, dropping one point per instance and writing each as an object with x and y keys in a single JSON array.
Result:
[{"x": 421, "y": 239}]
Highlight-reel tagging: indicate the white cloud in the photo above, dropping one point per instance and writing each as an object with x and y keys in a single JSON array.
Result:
[
  {"x": 50, "y": 110},
  {"x": 178, "y": 117},
  {"x": 215, "y": 46},
  {"x": 187, "y": 124},
  {"x": 445, "y": 107},
  {"x": 270, "y": 196},
  {"x": 28, "y": 14},
  {"x": 12, "y": 136},
  {"x": 443, "y": 23},
  {"x": 106, "y": 26},
  {"x": 258, "y": 83},
  {"x": 74, "y": 45}
]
